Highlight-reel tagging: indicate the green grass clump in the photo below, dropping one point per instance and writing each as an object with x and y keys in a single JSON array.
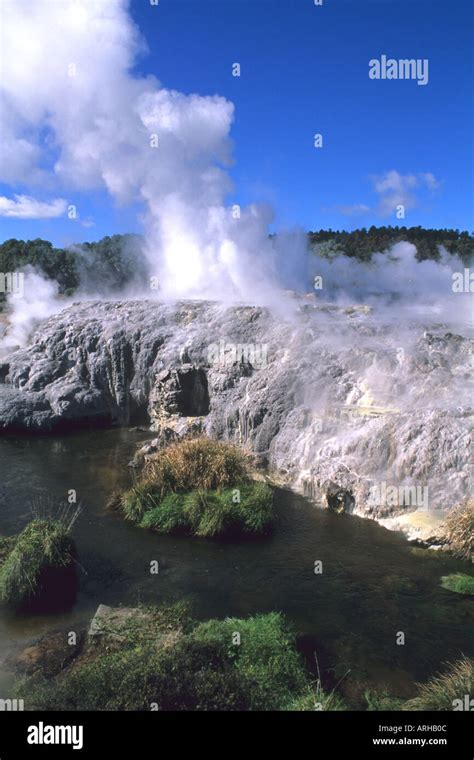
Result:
[
  {"x": 187, "y": 676},
  {"x": 458, "y": 582},
  {"x": 315, "y": 699},
  {"x": 41, "y": 548},
  {"x": 211, "y": 514},
  {"x": 207, "y": 667},
  {"x": 167, "y": 516},
  {"x": 244, "y": 511},
  {"x": 442, "y": 691},
  {"x": 256, "y": 507},
  {"x": 200, "y": 487},
  {"x": 138, "y": 500},
  {"x": 263, "y": 650}
]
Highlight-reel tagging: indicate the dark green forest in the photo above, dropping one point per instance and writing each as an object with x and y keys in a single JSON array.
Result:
[
  {"x": 114, "y": 263},
  {"x": 363, "y": 243},
  {"x": 108, "y": 265}
]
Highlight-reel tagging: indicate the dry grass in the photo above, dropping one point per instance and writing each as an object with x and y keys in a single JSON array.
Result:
[
  {"x": 460, "y": 530},
  {"x": 443, "y": 691},
  {"x": 195, "y": 464}
]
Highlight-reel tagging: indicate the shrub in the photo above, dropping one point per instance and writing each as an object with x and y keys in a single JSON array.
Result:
[
  {"x": 458, "y": 582},
  {"x": 191, "y": 486},
  {"x": 441, "y": 691},
  {"x": 460, "y": 530},
  {"x": 28, "y": 571}
]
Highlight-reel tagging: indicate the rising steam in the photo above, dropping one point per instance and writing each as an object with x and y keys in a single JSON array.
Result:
[
  {"x": 107, "y": 127},
  {"x": 76, "y": 117}
]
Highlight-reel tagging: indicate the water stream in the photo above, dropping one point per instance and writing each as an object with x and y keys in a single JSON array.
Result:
[{"x": 374, "y": 584}]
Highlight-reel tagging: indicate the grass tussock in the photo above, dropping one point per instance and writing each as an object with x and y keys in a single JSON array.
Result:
[
  {"x": 442, "y": 692},
  {"x": 232, "y": 664},
  {"x": 460, "y": 530},
  {"x": 42, "y": 547},
  {"x": 315, "y": 699},
  {"x": 199, "y": 487},
  {"x": 246, "y": 510}
]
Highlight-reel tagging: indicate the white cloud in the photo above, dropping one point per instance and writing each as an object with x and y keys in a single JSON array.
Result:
[
  {"x": 26, "y": 207},
  {"x": 397, "y": 189},
  {"x": 430, "y": 181},
  {"x": 394, "y": 189}
]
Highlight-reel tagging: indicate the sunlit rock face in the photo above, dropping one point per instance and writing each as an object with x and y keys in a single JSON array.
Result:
[{"x": 359, "y": 413}]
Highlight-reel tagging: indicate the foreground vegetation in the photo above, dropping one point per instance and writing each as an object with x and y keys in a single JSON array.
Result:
[
  {"x": 37, "y": 563},
  {"x": 213, "y": 513},
  {"x": 199, "y": 487},
  {"x": 445, "y": 691},
  {"x": 460, "y": 530},
  {"x": 162, "y": 659},
  {"x": 232, "y": 664}
]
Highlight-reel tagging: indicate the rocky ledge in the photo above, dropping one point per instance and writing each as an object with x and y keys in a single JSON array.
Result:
[{"x": 325, "y": 396}]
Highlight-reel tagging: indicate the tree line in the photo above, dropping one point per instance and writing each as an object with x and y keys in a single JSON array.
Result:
[
  {"x": 108, "y": 265},
  {"x": 114, "y": 263},
  {"x": 362, "y": 243}
]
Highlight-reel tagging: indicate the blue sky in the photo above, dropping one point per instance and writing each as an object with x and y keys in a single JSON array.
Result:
[{"x": 304, "y": 70}]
